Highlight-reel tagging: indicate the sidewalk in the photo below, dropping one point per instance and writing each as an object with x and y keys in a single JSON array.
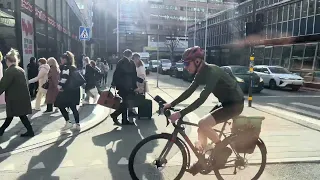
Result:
[
  {"x": 47, "y": 127},
  {"x": 286, "y": 140}
]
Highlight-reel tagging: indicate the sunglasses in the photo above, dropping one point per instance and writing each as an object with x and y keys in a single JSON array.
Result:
[{"x": 186, "y": 64}]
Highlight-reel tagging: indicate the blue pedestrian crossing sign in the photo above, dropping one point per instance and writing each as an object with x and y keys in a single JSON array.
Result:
[{"x": 84, "y": 33}]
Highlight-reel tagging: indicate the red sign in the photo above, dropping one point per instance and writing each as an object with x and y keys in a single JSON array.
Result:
[
  {"x": 27, "y": 27},
  {"x": 42, "y": 15}
]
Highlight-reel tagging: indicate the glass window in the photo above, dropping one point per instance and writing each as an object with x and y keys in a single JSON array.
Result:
[
  {"x": 310, "y": 25},
  {"x": 285, "y": 13},
  {"x": 277, "y": 51},
  {"x": 274, "y": 16},
  {"x": 304, "y": 8},
  {"x": 317, "y": 24},
  {"x": 290, "y": 28},
  {"x": 269, "y": 20},
  {"x": 41, "y": 4},
  {"x": 297, "y": 10},
  {"x": 274, "y": 30},
  {"x": 296, "y": 27},
  {"x": 286, "y": 51},
  {"x": 64, "y": 12},
  {"x": 51, "y": 8},
  {"x": 280, "y": 10},
  {"x": 278, "y": 30},
  {"x": 291, "y": 11},
  {"x": 309, "y": 56},
  {"x": 303, "y": 24},
  {"x": 318, "y": 6},
  {"x": 267, "y": 52},
  {"x": 317, "y": 63},
  {"x": 312, "y": 7},
  {"x": 284, "y": 29},
  {"x": 279, "y": 70}
]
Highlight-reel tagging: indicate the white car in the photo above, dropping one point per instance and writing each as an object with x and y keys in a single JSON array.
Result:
[{"x": 278, "y": 77}]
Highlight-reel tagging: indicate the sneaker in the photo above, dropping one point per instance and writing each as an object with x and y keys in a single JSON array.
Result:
[
  {"x": 67, "y": 126},
  {"x": 27, "y": 134},
  {"x": 76, "y": 127},
  {"x": 47, "y": 112},
  {"x": 37, "y": 109}
]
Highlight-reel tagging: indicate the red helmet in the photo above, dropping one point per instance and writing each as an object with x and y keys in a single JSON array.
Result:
[{"x": 192, "y": 53}]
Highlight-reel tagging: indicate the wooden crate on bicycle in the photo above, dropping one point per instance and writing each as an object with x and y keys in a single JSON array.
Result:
[{"x": 247, "y": 131}]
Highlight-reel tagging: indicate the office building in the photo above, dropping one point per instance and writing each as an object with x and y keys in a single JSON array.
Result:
[{"x": 290, "y": 37}]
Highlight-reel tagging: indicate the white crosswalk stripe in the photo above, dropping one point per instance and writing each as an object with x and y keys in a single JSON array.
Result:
[{"x": 306, "y": 106}]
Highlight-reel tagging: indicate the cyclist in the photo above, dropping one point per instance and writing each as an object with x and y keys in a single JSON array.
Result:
[{"x": 223, "y": 86}]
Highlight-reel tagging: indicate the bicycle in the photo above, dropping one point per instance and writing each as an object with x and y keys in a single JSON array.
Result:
[{"x": 240, "y": 163}]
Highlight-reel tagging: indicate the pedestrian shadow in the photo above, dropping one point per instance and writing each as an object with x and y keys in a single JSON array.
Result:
[
  {"x": 120, "y": 142},
  {"x": 38, "y": 126},
  {"x": 42, "y": 166}
]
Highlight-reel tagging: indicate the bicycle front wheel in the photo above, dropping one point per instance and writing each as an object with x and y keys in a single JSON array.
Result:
[{"x": 147, "y": 161}]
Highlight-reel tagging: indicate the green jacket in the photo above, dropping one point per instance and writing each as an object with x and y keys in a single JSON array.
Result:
[{"x": 15, "y": 85}]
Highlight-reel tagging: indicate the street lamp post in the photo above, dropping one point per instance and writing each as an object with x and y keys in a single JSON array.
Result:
[{"x": 158, "y": 56}]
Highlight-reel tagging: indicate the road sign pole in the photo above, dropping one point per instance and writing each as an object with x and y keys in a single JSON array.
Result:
[{"x": 84, "y": 47}]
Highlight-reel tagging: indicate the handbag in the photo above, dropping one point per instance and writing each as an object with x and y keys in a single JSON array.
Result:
[
  {"x": 108, "y": 99},
  {"x": 46, "y": 85},
  {"x": 75, "y": 80}
]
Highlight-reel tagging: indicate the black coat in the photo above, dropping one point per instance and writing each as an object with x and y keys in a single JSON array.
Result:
[
  {"x": 67, "y": 97},
  {"x": 125, "y": 75},
  {"x": 32, "y": 70},
  {"x": 91, "y": 76}
]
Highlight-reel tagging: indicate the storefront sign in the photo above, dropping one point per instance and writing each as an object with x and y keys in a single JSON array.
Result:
[
  {"x": 42, "y": 15},
  {"x": 27, "y": 38}
]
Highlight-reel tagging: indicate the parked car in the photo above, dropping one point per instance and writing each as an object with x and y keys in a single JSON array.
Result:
[
  {"x": 164, "y": 66},
  {"x": 278, "y": 77},
  {"x": 176, "y": 70},
  {"x": 242, "y": 75},
  {"x": 153, "y": 65},
  {"x": 146, "y": 65}
]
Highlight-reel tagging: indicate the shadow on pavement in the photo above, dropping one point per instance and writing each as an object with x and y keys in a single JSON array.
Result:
[
  {"x": 38, "y": 124},
  {"x": 120, "y": 142},
  {"x": 42, "y": 167}
]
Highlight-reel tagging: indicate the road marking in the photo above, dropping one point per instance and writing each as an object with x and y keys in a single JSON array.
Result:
[
  {"x": 96, "y": 162},
  {"x": 68, "y": 163},
  {"x": 295, "y": 109},
  {"x": 40, "y": 165},
  {"x": 306, "y": 106},
  {"x": 9, "y": 167},
  {"x": 123, "y": 161},
  {"x": 288, "y": 114},
  {"x": 292, "y": 96}
]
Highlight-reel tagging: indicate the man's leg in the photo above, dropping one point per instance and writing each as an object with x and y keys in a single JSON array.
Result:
[
  {"x": 205, "y": 130},
  {"x": 6, "y": 124},
  {"x": 25, "y": 121}
]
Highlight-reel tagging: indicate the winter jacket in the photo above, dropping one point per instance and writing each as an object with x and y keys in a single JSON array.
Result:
[{"x": 42, "y": 76}]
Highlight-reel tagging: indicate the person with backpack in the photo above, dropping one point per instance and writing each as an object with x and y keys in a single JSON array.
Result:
[{"x": 92, "y": 77}]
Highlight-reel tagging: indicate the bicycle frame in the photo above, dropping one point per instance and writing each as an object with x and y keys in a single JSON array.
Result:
[{"x": 180, "y": 130}]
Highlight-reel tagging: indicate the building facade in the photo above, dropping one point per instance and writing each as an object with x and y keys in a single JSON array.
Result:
[
  {"x": 291, "y": 35},
  {"x": 141, "y": 22},
  {"x": 40, "y": 28}
]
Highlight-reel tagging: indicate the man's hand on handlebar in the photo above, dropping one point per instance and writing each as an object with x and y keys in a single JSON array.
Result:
[
  {"x": 175, "y": 116},
  {"x": 166, "y": 106}
]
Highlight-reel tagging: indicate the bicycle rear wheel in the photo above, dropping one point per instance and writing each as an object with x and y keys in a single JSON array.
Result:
[
  {"x": 240, "y": 166},
  {"x": 158, "y": 164}
]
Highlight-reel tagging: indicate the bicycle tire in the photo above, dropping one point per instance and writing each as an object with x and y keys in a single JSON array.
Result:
[
  {"x": 154, "y": 137},
  {"x": 263, "y": 150}
]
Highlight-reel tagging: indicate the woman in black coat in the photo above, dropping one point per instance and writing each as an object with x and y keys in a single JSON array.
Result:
[{"x": 68, "y": 98}]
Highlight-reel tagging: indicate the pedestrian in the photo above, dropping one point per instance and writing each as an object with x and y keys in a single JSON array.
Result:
[
  {"x": 141, "y": 73},
  {"x": 124, "y": 79},
  {"x": 104, "y": 71},
  {"x": 53, "y": 80},
  {"x": 68, "y": 98},
  {"x": 42, "y": 78},
  {"x": 2, "y": 99},
  {"x": 18, "y": 101},
  {"x": 32, "y": 73},
  {"x": 92, "y": 77}
]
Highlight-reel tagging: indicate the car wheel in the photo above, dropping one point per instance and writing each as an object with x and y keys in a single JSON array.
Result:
[
  {"x": 272, "y": 84},
  {"x": 296, "y": 88}
]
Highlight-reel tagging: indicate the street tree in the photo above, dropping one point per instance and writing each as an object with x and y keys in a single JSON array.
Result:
[{"x": 172, "y": 39}]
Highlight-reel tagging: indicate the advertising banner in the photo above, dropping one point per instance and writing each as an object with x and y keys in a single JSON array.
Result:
[{"x": 27, "y": 39}]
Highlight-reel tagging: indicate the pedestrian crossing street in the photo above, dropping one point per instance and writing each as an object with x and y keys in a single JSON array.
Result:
[{"x": 297, "y": 110}]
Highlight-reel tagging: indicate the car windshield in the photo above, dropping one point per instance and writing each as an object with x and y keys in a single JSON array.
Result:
[
  {"x": 166, "y": 61},
  {"x": 154, "y": 62},
  {"x": 279, "y": 70},
  {"x": 240, "y": 70},
  {"x": 179, "y": 65}
]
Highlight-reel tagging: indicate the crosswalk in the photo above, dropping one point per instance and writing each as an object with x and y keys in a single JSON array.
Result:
[{"x": 296, "y": 110}]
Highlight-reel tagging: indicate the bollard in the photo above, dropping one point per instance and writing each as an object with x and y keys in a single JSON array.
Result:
[{"x": 250, "y": 80}]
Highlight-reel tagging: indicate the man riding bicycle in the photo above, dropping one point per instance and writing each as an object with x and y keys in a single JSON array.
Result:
[{"x": 221, "y": 85}]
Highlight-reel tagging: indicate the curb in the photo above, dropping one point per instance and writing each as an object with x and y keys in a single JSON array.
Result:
[
  {"x": 93, "y": 120},
  {"x": 293, "y": 160},
  {"x": 310, "y": 89}
]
